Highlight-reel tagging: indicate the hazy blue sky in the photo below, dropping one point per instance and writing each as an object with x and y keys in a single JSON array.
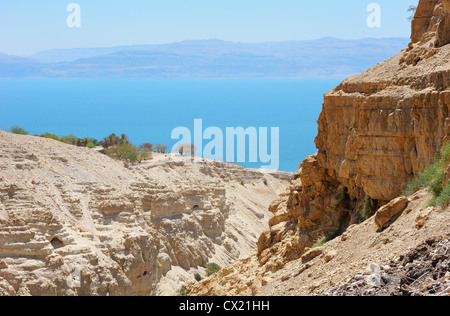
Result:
[{"x": 28, "y": 26}]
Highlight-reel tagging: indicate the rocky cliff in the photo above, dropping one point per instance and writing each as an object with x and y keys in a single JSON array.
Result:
[
  {"x": 377, "y": 130},
  {"x": 75, "y": 222}
]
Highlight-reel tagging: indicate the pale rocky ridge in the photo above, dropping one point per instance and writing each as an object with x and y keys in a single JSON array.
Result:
[
  {"x": 142, "y": 230},
  {"x": 377, "y": 130}
]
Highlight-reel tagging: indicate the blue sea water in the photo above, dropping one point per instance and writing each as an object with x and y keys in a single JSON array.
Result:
[{"x": 148, "y": 110}]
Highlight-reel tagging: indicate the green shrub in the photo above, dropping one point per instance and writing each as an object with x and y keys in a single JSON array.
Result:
[
  {"x": 18, "y": 130},
  {"x": 443, "y": 198},
  {"x": 423, "y": 180},
  {"x": 338, "y": 232},
  {"x": 432, "y": 178},
  {"x": 445, "y": 152},
  {"x": 146, "y": 147},
  {"x": 51, "y": 136},
  {"x": 70, "y": 139},
  {"x": 143, "y": 155},
  {"x": 183, "y": 291},
  {"x": 160, "y": 148},
  {"x": 212, "y": 268},
  {"x": 320, "y": 243},
  {"x": 90, "y": 145},
  {"x": 127, "y": 152},
  {"x": 197, "y": 277},
  {"x": 366, "y": 210}
]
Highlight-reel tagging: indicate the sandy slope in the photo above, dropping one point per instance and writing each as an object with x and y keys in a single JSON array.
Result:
[
  {"x": 333, "y": 268},
  {"x": 359, "y": 247}
]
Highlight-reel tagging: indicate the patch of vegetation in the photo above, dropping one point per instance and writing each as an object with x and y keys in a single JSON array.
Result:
[
  {"x": 338, "y": 232},
  {"x": 422, "y": 180},
  {"x": 442, "y": 199},
  {"x": 51, "y": 136},
  {"x": 183, "y": 291},
  {"x": 367, "y": 209},
  {"x": 125, "y": 152},
  {"x": 433, "y": 179},
  {"x": 341, "y": 199},
  {"x": 18, "y": 130},
  {"x": 212, "y": 268},
  {"x": 412, "y": 10},
  {"x": 72, "y": 140},
  {"x": 161, "y": 148},
  {"x": 197, "y": 277},
  {"x": 328, "y": 238},
  {"x": 114, "y": 140},
  {"x": 320, "y": 243},
  {"x": 146, "y": 147},
  {"x": 116, "y": 147}
]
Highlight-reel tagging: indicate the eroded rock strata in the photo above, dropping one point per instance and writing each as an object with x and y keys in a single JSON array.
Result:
[
  {"x": 377, "y": 130},
  {"x": 69, "y": 215}
]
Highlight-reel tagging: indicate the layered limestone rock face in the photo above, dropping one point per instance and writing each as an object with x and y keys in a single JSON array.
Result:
[
  {"x": 431, "y": 22},
  {"x": 380, "y": 128},
  {"x": 377, "y": 130},
  {"x": 74, "y": 222}
]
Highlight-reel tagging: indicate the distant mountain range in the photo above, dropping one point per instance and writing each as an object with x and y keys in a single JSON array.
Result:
[{"x": 323, "y": 58}]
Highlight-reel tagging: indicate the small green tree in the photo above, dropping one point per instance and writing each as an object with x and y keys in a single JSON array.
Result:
[
  {"x": 146, "y": 147},
  {"x": 197, "y": 277},
  {"x": 82, "y": 142},
  {"x": 145, "y": 152},
  {"x": 18, "y": 130},
  {"x": 70, "y": 139},
  {"x": 161, "y": 148},
  {"x": 113, "y": 140},
  {"x": 126, "y": 152},
  {"x": 143, "y": 155}
]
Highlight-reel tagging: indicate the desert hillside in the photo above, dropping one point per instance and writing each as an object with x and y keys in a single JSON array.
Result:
[
  {"x": 75, "y": 222},
  {"x": 378, "y": 130},
  {"x": 410, "y": 256}
]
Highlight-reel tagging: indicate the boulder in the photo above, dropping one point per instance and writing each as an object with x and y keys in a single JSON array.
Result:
[
  {"x": 330, "y": 255},
  {"x": 387, "y": 212},
  {"x": 311, "y": 254}
]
